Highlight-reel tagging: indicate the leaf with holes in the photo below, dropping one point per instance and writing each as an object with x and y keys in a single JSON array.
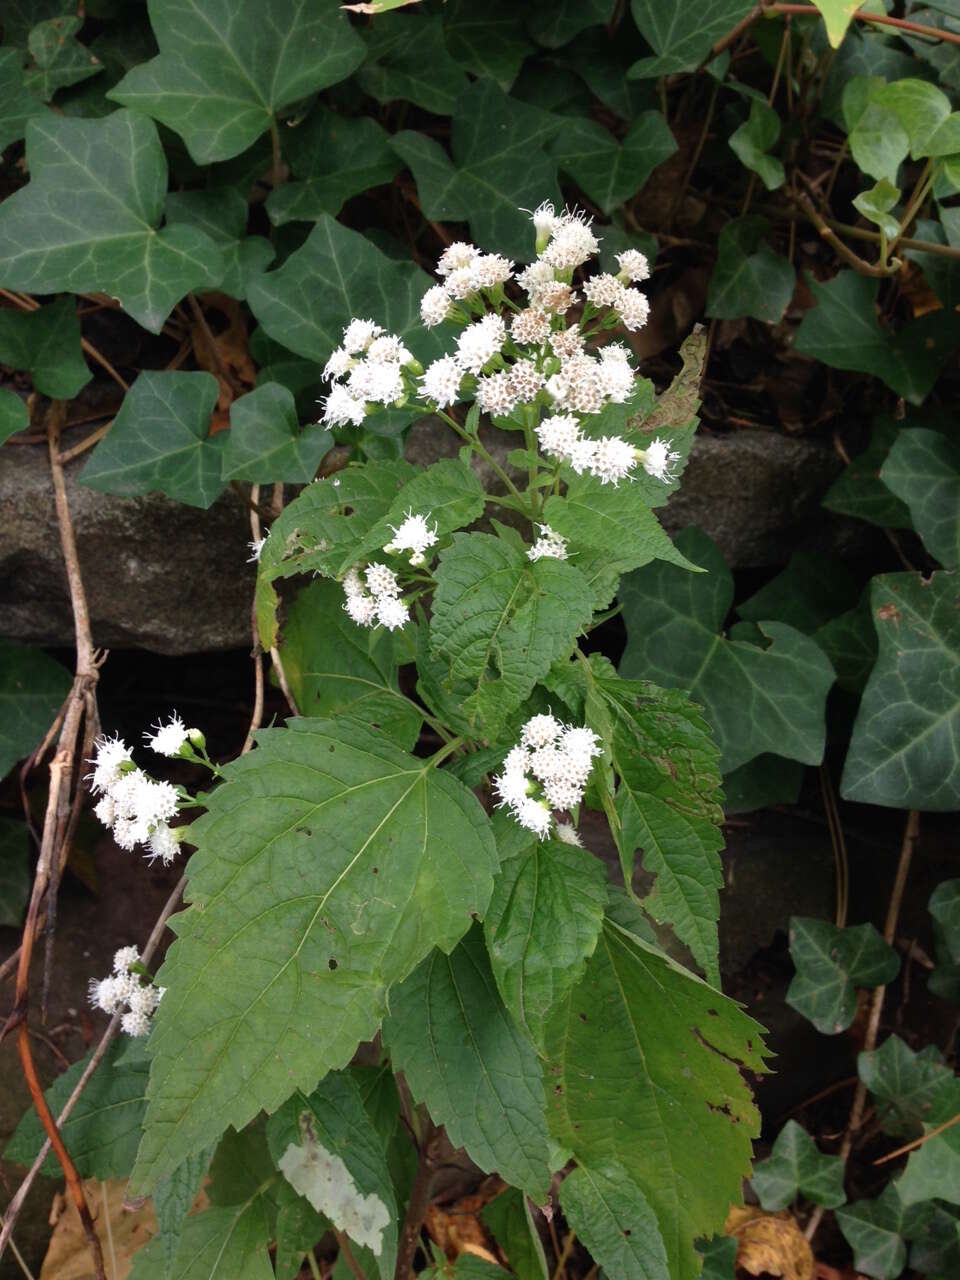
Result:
[
  {"x": 32, "y": 690},
  {"x": 612, "y": 1217},
  {"x": 328, "y": 865},
  {"x": 923, "y": 470},
  {"x": 795, "y": 1167},
  {"x": 831, "y": 963}
]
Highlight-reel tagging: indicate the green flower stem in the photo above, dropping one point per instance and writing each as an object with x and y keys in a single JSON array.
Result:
[
  {"x": 447, "y": 749},
  {"x": 478, "y": 448},
  {"x": 920, "y": 193}
]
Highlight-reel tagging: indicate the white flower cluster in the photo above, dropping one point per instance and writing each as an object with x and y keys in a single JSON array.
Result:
[
  {"x": 132, "y": 804},
  {"x": 548, "y": 546},
  {"x": 477, "y": 345},
  {"x": 466, "y": 272},
  {"x": 123, "y": 987},
  {"x": 367, "y": 369},
  {"x": 374, "y": 598},
  {"x": 414, "y": 535},
  {"x": 547, "y": 770}
]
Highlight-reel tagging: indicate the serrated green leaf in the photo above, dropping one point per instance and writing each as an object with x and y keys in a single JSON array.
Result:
[
  {"x": 221, "y": 213},
  {"x": 14, "y": 414},
  {"x": 805, "y": 594},
  {"x": 755, "y": 699},
  {"x": 553, "y": 23},
  {"x": 876, "y": 205},
  {"x": 409, "y": 60},
  {"x": 328, "y": 1151},
  {"x": 923, "y": 469},
  {"x": 160, "y": 441},
  {"x": 501, "y": 621},
  {"x": 328, "y": 865},
  {"x": 265, "y": 443},
  {"x": 860, "y": 492},
  {"x": 610, "y": 172},
  {"x": 876, "y": 1230},
  {"x": 843, "y": 331},
  {"x": 56, "y": 58},
  {"x": 336, "y": 668},
  {"x": 542, "y": 923},
  {"x": 508, "y": 1217},
  {"x": 629, "y": 1020},
  {"x": 749, "y": 279},
  {"x": 613, "y": 1218},
  {"x": 909, "y": 1089},
  {"x": 681, "y": 35},
  {"x": 447, "y": 493},
  {"x": 488, "y": 42},
  {"x": 32, "y": 690},
  {"x": 450, "y": 1035},
  {"x": 831, "y": 963},
  {"x": 17, "y": 103},
  {"x": 904, "y": 749},
  {"x": 46, "y": 343},
  {"x": 796, "y": 1167},
  {"x": 15, "y": 879},
  {"x": 67, "y": 231},
  {"x": 752, "y": 141},
  {"x": 221, "y": 78},
  {"x": 173, "y": 1198},
  {"x": 104, "y": 1128},
  {"x": 299, "y": 1228}
]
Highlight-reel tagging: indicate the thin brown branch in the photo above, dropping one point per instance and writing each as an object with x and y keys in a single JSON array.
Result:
[
  {"x": 93, "y": 438},
  {"x": 349, "y": 1259},
  {"x": 843, "y": 251},
  {"x": 918, "y": 1142},
  {"x": 417, "y": 1205},
  {"x": 879, "y": 19}
]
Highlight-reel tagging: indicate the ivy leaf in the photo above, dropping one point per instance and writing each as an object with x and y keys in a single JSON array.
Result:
[
  {"x": 749, "y": 279},
  {"x": 336, "y": 884},
  {"x": 613, "y": 1218},
  {"x": 332, "y": 158},
  {"x": 14, "y": 414},
  {"x": 336, "y": 668},
  {"x": 878, "y": 141},
  {"x": 502, "y": 621},
  {"x": 265, "y": 443},
  {"x": 876, "y": 1231},
  {"x": 15, "y": 878},
  {"x": 922, "y": 109},
  {"x": 32, "y": 690},
  {"x": 843, "y": 331},
  {"x": 876, "y": 205},
  {"x": 554, "y": 23},
  {"x": 944, "y": 906},
  {"x": 173, "y": 1198},
  {"x": 937, "y": 1252},
  {"x": 490, "y": 42},
  {"x": 65, "y": 231},
  {"x": 762, "y": 782},
  {"x": 610, "y": 172},
  {"x": 719, "y": 1258},
  {"x": 755, "y": 699},
  {"x": 410, "y": 60},
  {"x": 17, "y": 103},
  {"x": 923, "y": 469},
  {"x": 466, "y": 1062},
  {"x": 805, "y": 595},
  {"x": 104, "y": 1127},
  {"x": 850, "y": 642},
  {"x": 933, "y": 1170},
  {"x": 448, "y": 493},
  {"x": 541, "y": 925},
  {"x": 681, "y": 36},
  {"x": 160, "y": 441},
  {"x": 831, "y": 963},
  {"x": 909, "y": 1089},
  {"x": 46, "y": 343},
  {"x": 328, "y": 1151},
  {"x": 753, "y": 140},
  {"x": 221, "y": 213},
  {"x": 221, "y": 84},
  {"x": 630, "y": 1019},
  {"x": 903, "y": 751},
  {"x": 508, "y": 1217},
  {"x": 860, "y": 492},
  {"x": 56, "y": 58},
  {"x": 796, "y": 1167},
  {"x": 837, "y": 15}
]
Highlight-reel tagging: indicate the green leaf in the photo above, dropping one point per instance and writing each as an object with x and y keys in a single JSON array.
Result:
[
  {"x": 32, "y": 690},
  {"x": 409, "y": 60},
  {"x": 173, "y": 1198},
  {"x": 837, "y": 15},
  {"x": 14, "y": 414},
  {"x": 613, "y": 1218},
  {"x": 944, "y": 906},
  {"x": 15, "y": 878},
  {"x": 933, "y": 1170},
  {"x": 922, "y": 110},
  {"x": 876, "y": 1231},
  {"x": 160, "y": 441},
  {"x": 831, "y": 963},
  {"x": 610, "y": 172},
  {"x": 553, "y": 23},
  {"x": 942, "y": 274},
  {"x": 749, "y": 279},
  {"x": 509, "y": 1219},
  {"x": 56, "y": 58},
  {"x": 336, "y": 668},
  {"x": 328, "y": 1151},
  {"x": 221, "y": 213},
  {"x": 317, "y": 858},
  {"x": 500, "y": 167},
  {"x": 795, "y": 1167},
  {"x": 719, "y": 1258},
  {"x": 46, "y": 343},
  {"x": 265, "y": 443},
  {"x": 755, "y": 699},
  {"x": 682, "y": 1137},
  {"x": 469, "y": 1065},
  {"x": 764, "y": 781},
  {"x": 923, "y": 469},
  {"x": 490, "y": 42},
  {"x": 850, "y": 642},
  {"x": 448, "y": 493},
  {"x": 937, "y": 1252},
  {"x": 753, "y": 140},
  {"x": 220, "y": 81},
  {"x": 681, "y": 35},
  {"x": 909, "y": 1089},
  {"x": 876, "y": 204},
  {"x": 842, "y": 330},
  {"x": 805, "y": 594},
  {"x": 332, "y": 158},
  {"x": 17, "y": 103},
  {"x": 501, "y": 621},
  {"x": 860, "y": 492},
  {"x": 904, "y": 752},
  {"x": 66, "y": 231},
  {"x": 104, "y": 1127},
  {"x": 878, "y": 141},
  {"x": 542, "y": 923}
]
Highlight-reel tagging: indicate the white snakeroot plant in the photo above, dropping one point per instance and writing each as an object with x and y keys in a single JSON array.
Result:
[{"x": 413, "y": 862}]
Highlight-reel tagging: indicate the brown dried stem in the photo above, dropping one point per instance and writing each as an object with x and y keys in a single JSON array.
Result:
[{"x": 417, "y": 1205}]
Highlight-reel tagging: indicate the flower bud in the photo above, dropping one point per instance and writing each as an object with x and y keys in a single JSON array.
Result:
[{"x": 197, "y": 738}]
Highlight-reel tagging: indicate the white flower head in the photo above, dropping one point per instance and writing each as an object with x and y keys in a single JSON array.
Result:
[
  {"x": 489, "y": 270},
  {"x": 435, "y": 306},
  {"x": 581, "y": 455},
  {"x": 613, "y": 460},
  {"x": 658, "y": 460},
  {"x": 392, "y": 612},
  {"x": 531, "y": 325},
  {"x": 513, "y": 787},
  {"x": 381, "y": 580},
  {"x": 358, "y": 335},
  {"x": 388, "y": 348},
  {"x": 525, "y": 380},
  {"x": 361, "y": 609},
  {"x": 567, "y": 833},
  {"x": 456, "y": 255},
  {"x": 535, "y": 278},
  {"x": 164, "y": 844},
  {"x": 379, "y": 381},
  {"x": 353, "y": 584},
  {"x": 340, "y": 362},
  {"x": 573, "y": 242},
  {"x": 544, "y": 219},
  {"x": 256, "y": 550},
  {"x": 341, "y": 409},
  {"x": 460, "y": 283},
  {"x": 633, "y": 309},
  {"x": 111, "y": 755},
  {"x": 413, "y": 534},
  {"x": 144, "y": 1000},
  {"x": 106, "y": 810},
  {"x": 603, "y": 290},
  {"x": 496, "y": 394},
  {"x": 558, "y": 434},
  {"x": 634, "y": 265},
  {"x": 548, "y": 546},
  {"x": 106, "y": 994},
  {"x": 135, "y": 1023},
  {"x": 479, "y": 342},
  {"x": 580, "y": 745},
  {"x": 125, "y": 959},
  {"x": 540, "y": 731},
  {"x": 168, "y": 739},
  {"x": 535, "y": 815},
  {"x": 441, "y": 381}
]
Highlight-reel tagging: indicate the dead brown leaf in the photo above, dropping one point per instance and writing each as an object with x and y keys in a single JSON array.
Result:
[
  {"x": 458, "y": 1229},
  {"x": 226, "y": 356},
  {"x": 769, "y": 1244},
  {"x": 68, "y": 1257}
]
